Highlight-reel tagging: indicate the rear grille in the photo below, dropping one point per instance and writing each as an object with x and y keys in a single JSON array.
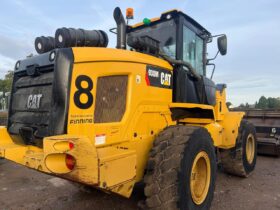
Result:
[
  {"x": 24, "y": 87},
  {"x": 110, "y": 99},
  {"x": 40, "y": 97}
]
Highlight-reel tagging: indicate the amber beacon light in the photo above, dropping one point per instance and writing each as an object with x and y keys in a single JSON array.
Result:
[{"x": 129, "y": 13}]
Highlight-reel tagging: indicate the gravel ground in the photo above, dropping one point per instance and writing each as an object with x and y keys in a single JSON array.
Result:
[{"x": 22, "y": 188}]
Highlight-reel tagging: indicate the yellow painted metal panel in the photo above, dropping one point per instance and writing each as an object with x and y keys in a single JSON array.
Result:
[
  {"x": 230, "y": 124},
  {"x": 118, "y": 168},
  {"x": 216, "y": 131},
  {"x": 190, "y": 105},
  {"x": 91, "y": 54},
  {"x": 84, "y": 152},
  {"x": 197, "y": 120}
]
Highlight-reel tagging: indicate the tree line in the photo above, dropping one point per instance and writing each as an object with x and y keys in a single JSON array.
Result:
[
  {"x": 6, "y": 83},
  {"x": 268, "y": 103},
  {"x": 264, "y": 103}
]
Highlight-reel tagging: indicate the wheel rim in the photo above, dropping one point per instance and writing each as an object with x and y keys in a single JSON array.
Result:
[
  {"x": 250, "y": 148},
  {"x": 200, "y": 177}
]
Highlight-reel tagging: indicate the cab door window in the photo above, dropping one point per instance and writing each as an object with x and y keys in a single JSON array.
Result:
[{"x": 193, "y": 50}]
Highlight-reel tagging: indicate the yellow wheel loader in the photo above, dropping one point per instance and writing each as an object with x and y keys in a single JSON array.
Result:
[{"x": 144, "y": 112}]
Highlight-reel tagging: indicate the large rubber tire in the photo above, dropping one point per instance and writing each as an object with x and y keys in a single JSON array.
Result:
[
  {"x": 234, "y": 161},
  {"x": 169, "y": 169}
]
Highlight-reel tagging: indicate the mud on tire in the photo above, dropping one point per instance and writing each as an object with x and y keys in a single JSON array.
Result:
[
  {"x": 235, "y": 161},
  {"x": 169, "y": 169}
]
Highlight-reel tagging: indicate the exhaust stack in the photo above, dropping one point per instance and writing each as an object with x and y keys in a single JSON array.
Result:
[{"x": 121, "y": 28}]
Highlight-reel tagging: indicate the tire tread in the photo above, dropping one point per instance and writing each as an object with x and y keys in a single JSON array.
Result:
[{"x": 161, "y": 181}]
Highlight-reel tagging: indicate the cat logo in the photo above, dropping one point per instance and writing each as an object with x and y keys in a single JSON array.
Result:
[
  {"x": 33, "y": 101},
  {"x": 165, "y": 79}
]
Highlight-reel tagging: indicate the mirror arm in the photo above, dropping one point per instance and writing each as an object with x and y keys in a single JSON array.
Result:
[
  {"x": 211, "y": 59},
  {"x": 218, "y": 35},
  {"x": 213, "y": 70},
  {"x": 210, "y": 38}
]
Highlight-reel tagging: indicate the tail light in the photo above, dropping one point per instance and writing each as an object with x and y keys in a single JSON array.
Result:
[{"x": 70, "y": 161}]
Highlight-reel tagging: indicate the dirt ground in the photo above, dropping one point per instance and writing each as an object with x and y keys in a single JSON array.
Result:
[{"x": 22, "y": 188}]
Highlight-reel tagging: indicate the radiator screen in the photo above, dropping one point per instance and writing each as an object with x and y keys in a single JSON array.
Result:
[{"x": 110, "y": 98}]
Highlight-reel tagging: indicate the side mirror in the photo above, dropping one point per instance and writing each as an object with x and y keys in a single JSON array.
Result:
[{"x": 222, "y": 44}]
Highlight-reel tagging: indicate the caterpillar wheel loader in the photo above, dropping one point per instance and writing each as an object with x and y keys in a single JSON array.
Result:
[{"x": 144, "y": 112}]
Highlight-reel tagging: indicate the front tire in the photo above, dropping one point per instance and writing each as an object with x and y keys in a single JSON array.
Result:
[
  {"x": 241, "y": 160},
  {"x": 181, "y": 170}
]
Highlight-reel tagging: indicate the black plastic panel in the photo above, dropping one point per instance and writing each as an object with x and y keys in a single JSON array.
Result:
[
  {"x": 190, "y": 90},
  {"x": 39, "y": 98}
]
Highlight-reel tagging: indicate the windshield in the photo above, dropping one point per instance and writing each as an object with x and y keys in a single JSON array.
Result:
[{"x": 164, "y": 32}]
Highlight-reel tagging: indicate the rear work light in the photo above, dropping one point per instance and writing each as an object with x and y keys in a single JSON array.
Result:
[{"x": 70, "y": 162}]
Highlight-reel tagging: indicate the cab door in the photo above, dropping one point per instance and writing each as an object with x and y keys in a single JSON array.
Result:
[{"x": 187, "y": 88}]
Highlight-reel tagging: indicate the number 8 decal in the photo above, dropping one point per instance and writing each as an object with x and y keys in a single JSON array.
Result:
[{"x": 83, "y": 90}]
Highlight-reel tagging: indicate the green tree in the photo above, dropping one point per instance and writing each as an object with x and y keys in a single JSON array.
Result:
[
  {"x": 242, "y": 105},
  {"x": 263, "y": 103},
  {"x": 229, "y": 104},
  {"x": 6, "y": 83},
  {"x": 5, "y": 86},
  {"x": 273, "y": 103},
  {"x": 268, "y": 103}
]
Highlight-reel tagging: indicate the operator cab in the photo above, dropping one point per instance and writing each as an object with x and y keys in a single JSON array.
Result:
[{"x": 180, "y": 37}]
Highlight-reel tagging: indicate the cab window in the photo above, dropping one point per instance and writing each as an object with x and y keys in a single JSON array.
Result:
[
  {"x": 164, "y": 32},
  {"x": 193, "y": 49}
]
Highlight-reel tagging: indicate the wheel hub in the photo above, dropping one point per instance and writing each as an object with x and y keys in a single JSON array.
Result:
[
  {"x": 200, "y": 177},
  {"x": 250, "y": 148}
]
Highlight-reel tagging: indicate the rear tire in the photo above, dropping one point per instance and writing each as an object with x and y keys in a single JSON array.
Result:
[
  {"x": 181, "y": 170},
  {"x": 241, "y": 160}
]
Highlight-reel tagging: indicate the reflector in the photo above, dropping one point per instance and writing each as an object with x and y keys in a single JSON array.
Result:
[{"x": 71, "y": 145}]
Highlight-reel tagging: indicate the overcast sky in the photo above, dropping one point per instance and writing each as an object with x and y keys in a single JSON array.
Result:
[{"x": 250, "y": 69}]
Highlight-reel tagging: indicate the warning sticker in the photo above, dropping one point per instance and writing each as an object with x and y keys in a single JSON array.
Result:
[{"x": 100, "y": 139}]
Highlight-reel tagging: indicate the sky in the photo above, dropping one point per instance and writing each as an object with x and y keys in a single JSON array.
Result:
[{"x": 250, "y": 69}]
